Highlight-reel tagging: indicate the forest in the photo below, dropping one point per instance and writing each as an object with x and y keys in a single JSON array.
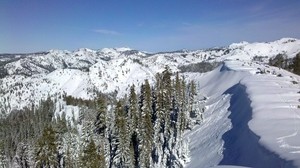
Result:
[{"x": 142, "y": 129}]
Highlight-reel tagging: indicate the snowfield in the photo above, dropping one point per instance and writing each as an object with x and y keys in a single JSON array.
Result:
[
  {"x": 252, "y": 110},
  {"x": 252, "y": 119}
]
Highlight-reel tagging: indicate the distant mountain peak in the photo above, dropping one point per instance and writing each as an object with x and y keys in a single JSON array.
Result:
[{"x": 237, "y": 45}]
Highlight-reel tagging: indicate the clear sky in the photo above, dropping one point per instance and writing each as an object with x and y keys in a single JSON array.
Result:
[{"x": 149, "y": 25}]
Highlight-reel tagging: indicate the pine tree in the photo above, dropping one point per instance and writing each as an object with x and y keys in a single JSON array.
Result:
[
  {"x": 296, "y": 64},
  {"x": 133, "y": 126},
  {"x": 123, "y": 157},
  {"x": 159, "y": 123},
  {"x": 101, "y": 116},
  {"x": 182, "y": 106},
  {"x": 46, "y": 150},
  {"x": 191, "y": 101},
  {"x": 90, "y": 158},
  {"x": 147, "y": 127},
  {"x": 133, "y": 109}
]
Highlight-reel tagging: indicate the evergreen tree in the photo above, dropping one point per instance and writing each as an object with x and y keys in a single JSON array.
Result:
[
  {"x": 296, "y": 64},
  {"x": 191, "y": 100},
  {"x": 147, "y": 127},
  {"x": 101, "y": 117},
  {"x": 183, "y": 115},
  {"x": 167, "y": 100},
  {"x": 46, "y": 150},
  {"x": 133, "y": 109},
  {"x": 133, "y": 126},
  {"x": 90, "y": 158},
  {"x": 123, "y": 157}
]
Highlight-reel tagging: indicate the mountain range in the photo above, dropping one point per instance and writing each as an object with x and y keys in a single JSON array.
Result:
[{"x": 251, "y": 109}]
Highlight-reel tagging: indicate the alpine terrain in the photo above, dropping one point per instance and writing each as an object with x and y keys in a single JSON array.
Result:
[{"x": 117, "y": 107}]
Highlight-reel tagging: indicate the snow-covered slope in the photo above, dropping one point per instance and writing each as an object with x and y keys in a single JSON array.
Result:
[
  {"x": 252, "y": 118},
  {"x": 28, "y": 78},
  {"x": 252, "y": 115}
]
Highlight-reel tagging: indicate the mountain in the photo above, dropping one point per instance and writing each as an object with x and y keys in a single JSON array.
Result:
[
  {"x": 27, "y": 78},
  {"x": 251, "y": 110}
]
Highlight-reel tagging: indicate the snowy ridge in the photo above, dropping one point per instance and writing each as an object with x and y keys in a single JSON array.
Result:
[{"x": 247, "y": 101}]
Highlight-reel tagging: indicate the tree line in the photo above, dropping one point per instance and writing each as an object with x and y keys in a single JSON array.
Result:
[{"x": 290, "y": 64}]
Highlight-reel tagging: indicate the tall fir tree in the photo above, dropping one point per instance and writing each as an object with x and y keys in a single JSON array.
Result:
[
  {"x": 133, "y": 125},
  {"x": 101, "y": 116},
  {"x": 46, "y": 150},
  {"x": 147, "y": 127},
  {"x": 133, "y": 109},
  {"x": 90, "y": 157},
  {"x": 123, "y": 157}
]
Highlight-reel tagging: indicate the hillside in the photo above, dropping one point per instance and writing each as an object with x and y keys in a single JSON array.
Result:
[
  {"x": 27, "y": 78},
  {"x": 247, "y": 113}
]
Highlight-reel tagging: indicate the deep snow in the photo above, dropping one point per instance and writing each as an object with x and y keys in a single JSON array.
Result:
[{"x": 252, "y": 119}]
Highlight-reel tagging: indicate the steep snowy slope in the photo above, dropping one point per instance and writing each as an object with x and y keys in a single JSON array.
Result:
[{"x": 252, "y": 118}]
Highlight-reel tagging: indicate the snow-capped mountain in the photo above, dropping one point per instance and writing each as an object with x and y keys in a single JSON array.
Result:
[
  {"x": 247, "y": 100},
  {"x": 27, "y": 78}
]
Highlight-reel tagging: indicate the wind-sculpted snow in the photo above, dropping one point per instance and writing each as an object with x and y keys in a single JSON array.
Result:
[
  {"x": 262, "y": 106},
  {"x": 276, "y": 112},
  {"x": 241, "y": 145}
]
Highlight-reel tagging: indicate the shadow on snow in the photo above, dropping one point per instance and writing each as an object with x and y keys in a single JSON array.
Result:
[{"x": 241, "y": 146}]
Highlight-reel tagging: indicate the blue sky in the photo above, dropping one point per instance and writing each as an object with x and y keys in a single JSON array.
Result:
[{"x": 150, "y": 25}]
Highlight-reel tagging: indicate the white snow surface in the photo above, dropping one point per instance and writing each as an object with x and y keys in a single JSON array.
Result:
[{"x": 256, "y": 116}]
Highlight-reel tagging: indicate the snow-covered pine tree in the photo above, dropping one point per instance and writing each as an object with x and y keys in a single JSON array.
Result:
[
  {"x": 158, "y": 151},
  {"x": 166, "y": 84},
  {"x": 134, "y": 125},
  {"x": 123, "y": 157},
  {"x": 167, "y": 110},
  {"x": 101, "y": 116},
  {"x": 191, "y": 101},
  {"x": 71, "y": 149},
  {"x": 146, "y": 127},
  {"x": 133, "y": 109},
  {"x": 23, "y": 157}
]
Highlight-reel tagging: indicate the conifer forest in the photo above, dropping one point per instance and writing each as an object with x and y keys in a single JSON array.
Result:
[{"x": 142, "y": 129}]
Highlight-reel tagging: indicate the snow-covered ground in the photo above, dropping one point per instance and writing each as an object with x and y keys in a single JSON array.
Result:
[
  {"x": 111, "y": 70},
  {"x": 251, "y": 119},
  {"x": 252, "y": 111}
]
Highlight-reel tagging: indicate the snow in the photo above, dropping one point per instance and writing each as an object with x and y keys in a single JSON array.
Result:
[
  {"x": 251, "y": 120},
  {"x": 252, "y": 114}
]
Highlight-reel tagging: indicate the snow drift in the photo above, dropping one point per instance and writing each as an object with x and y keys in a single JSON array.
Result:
[{"x": 251, "y": 119}]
